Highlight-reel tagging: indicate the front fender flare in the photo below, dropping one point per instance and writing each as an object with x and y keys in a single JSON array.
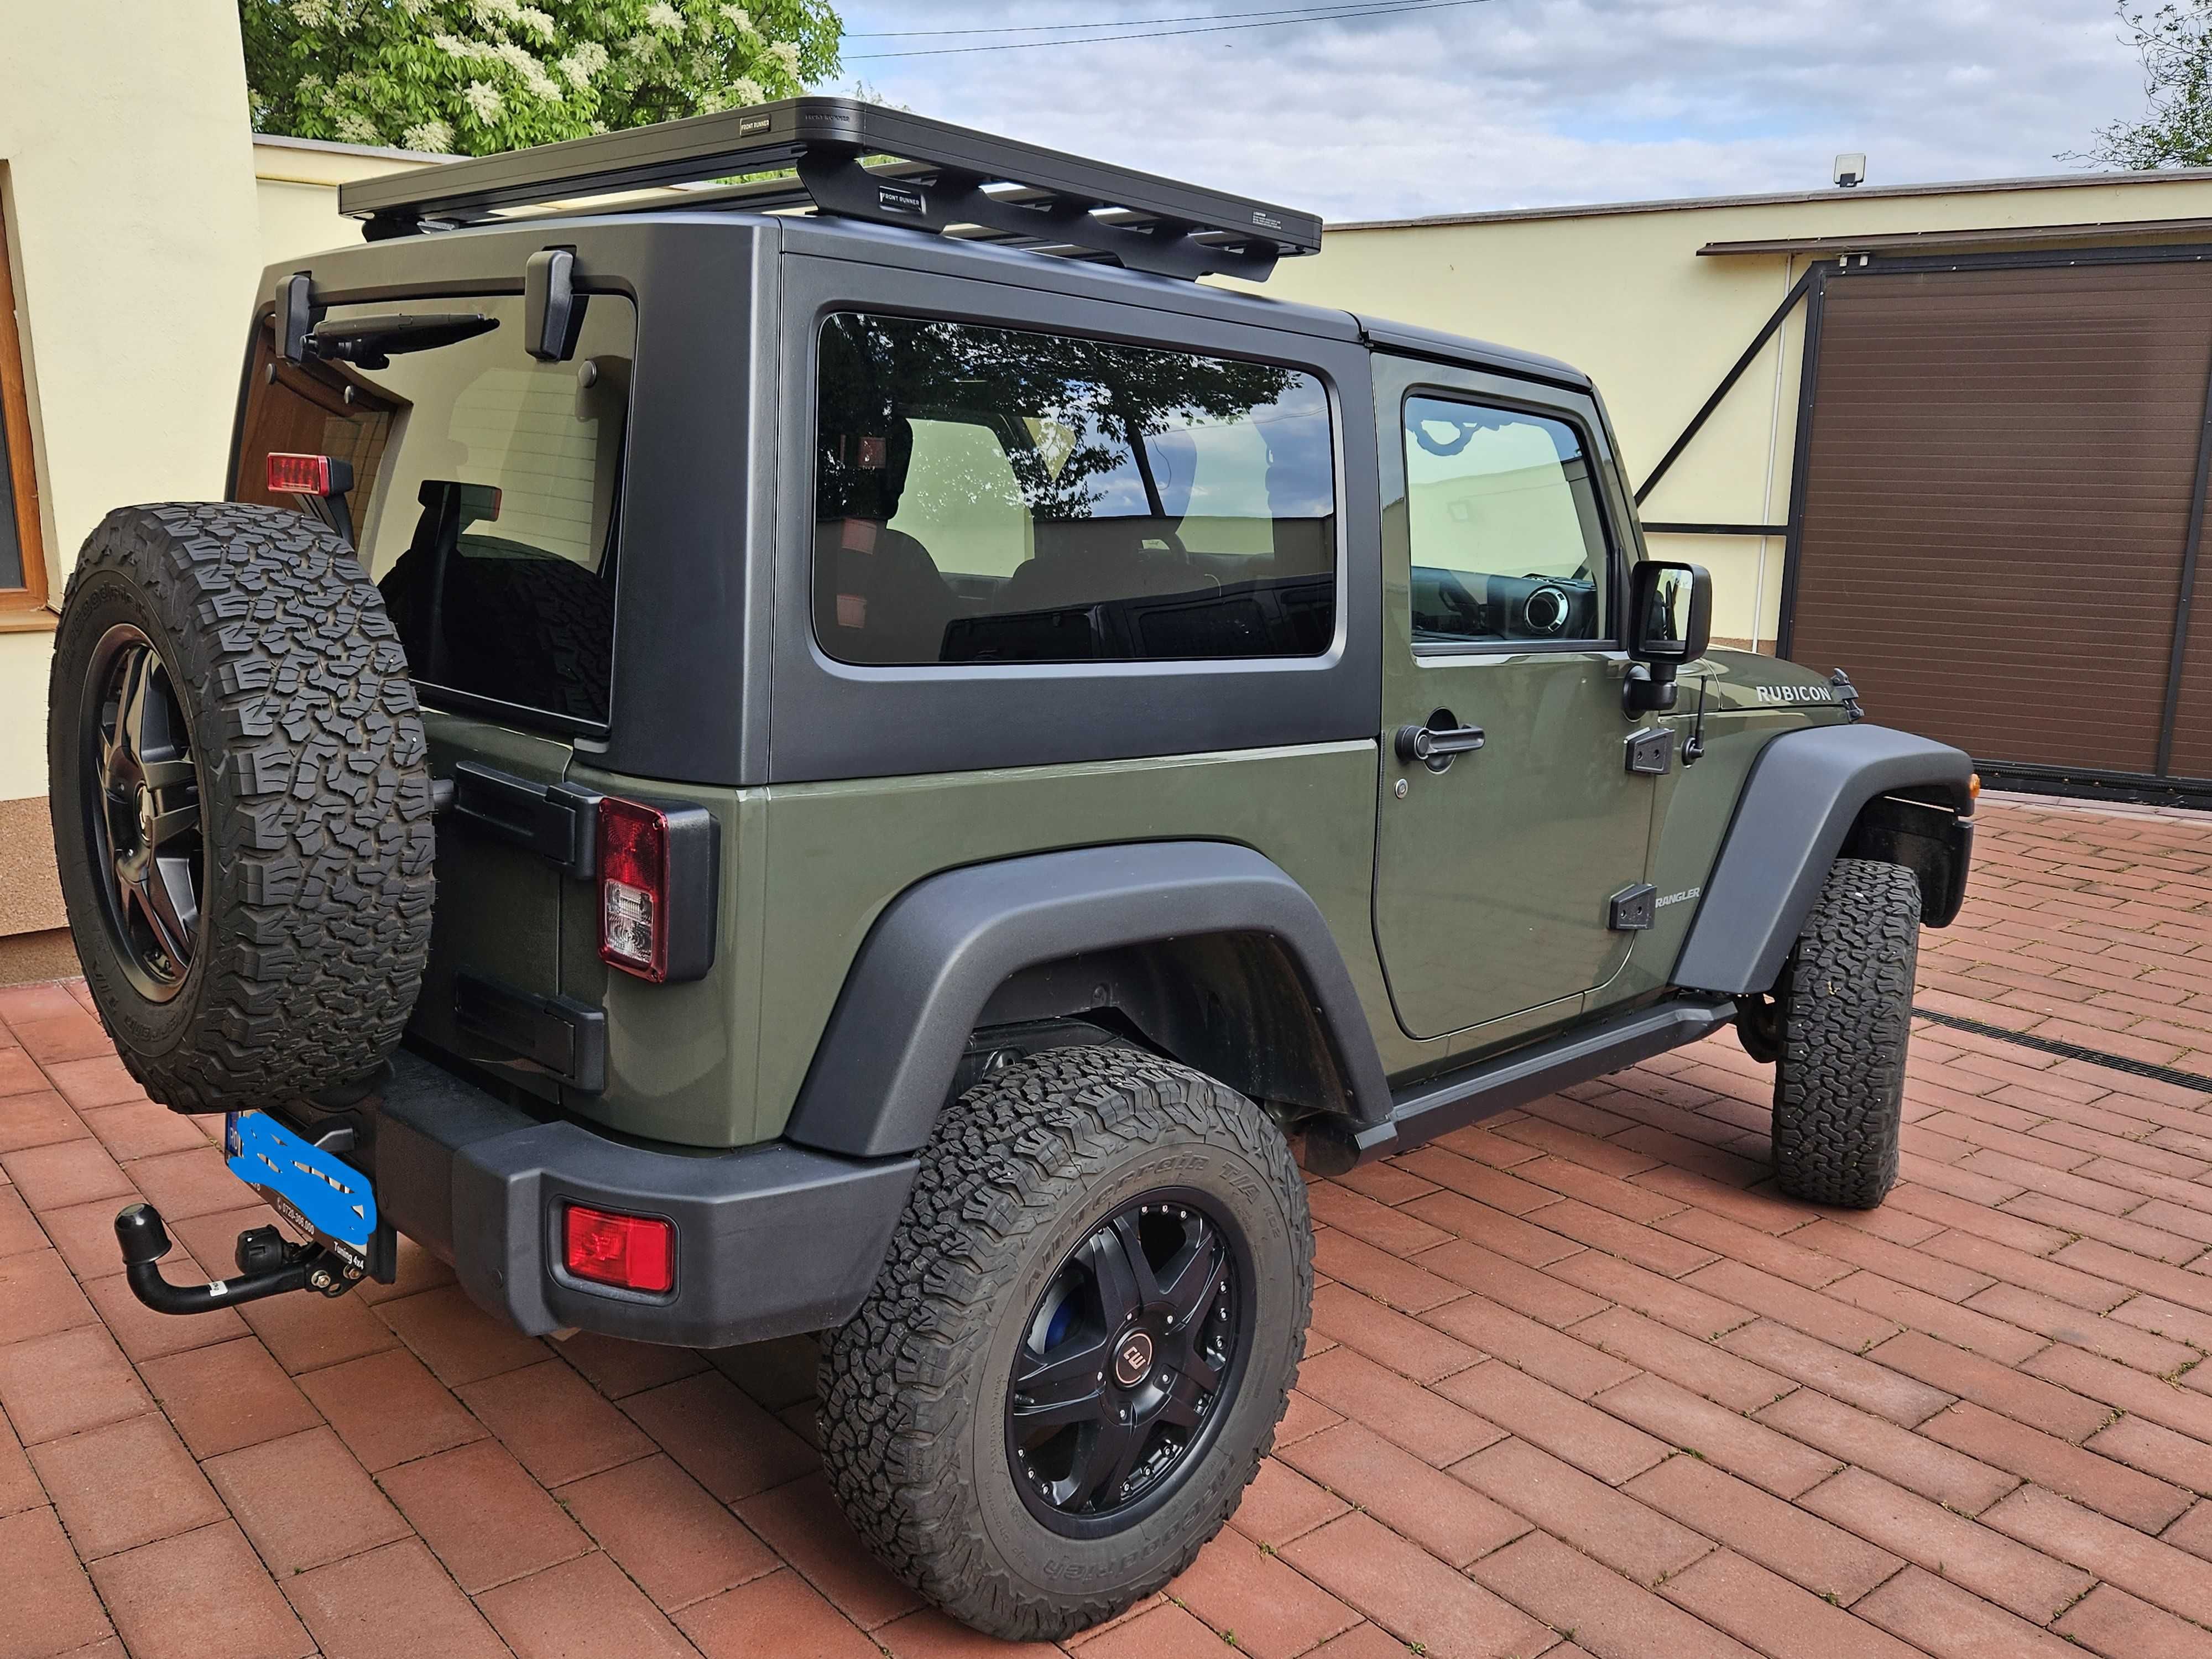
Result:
[
  {"x": 1805, "y": 790},
  {"x": 922, "y": 977}
]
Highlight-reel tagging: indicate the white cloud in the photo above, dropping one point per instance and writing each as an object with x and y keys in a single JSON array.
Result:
[{"x": 1519, "y": 103}]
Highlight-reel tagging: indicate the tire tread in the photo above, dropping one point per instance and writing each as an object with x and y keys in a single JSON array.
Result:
[
  {"x": 1846, "y": 1020},
  {"x": 315, "y": 794}
]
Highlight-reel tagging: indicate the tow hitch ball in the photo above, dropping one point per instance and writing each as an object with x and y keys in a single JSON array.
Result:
[{"x": 267, "y": 1265}]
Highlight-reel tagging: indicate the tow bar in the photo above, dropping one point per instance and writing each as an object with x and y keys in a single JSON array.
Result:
[{"x": 267, "y": 1265}]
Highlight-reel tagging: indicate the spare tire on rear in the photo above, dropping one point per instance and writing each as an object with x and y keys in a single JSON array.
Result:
[{"x": 241, "y": 805}]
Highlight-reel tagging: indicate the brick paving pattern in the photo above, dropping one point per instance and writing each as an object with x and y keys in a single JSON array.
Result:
[{"x": 1580, "y": 1383}]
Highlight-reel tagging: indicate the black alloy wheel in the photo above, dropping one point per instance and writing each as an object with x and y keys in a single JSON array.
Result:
[
  {"x": 1127, "y": 1363},
  {"x": 142, "y": 812}
]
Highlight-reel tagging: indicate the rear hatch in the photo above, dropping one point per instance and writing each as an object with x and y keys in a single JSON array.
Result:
[{"x": 486, "y": 504}]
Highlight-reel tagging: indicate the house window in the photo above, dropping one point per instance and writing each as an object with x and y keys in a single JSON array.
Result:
[{"x": 22, "y": 563}]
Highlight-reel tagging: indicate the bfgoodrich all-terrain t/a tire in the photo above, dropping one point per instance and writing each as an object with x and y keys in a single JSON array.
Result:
[
  {"x": 1844, "y": 1018},
  {"x": 1084, "y": 1336},
  {"x": 241, "y": 806}
]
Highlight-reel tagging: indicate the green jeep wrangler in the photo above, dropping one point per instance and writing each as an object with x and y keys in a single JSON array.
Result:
[{"x": 857, "y": 751}]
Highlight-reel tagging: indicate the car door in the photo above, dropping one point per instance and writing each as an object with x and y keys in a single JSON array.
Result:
[
  {"x": 484, "y": 506},
  {"x": 1509, "y": 817}
]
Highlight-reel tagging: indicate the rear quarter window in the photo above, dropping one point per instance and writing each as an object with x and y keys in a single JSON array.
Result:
[
  {"x": 487, "y": 488},
  {"x": 990, "y": 495}
]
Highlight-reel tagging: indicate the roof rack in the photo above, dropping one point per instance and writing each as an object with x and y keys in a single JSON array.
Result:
[{"x": 928, "y": 175}]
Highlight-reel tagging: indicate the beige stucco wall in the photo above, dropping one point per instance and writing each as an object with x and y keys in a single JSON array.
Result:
[
  {"x": 296, "y": 185},
  {"x": 1624, "y": 294},
  {"x": 133, "y": 234}
]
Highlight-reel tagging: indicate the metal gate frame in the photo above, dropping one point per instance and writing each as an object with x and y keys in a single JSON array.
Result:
[{"x": 1859, "y": 267}]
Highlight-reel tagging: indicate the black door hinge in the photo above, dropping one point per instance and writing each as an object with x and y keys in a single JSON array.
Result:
[
  {"x": 1650, "y": 751},
  {"x": 1633, "y": 908},
  {"x": 557, "y": 821},
  {"x": 556, "y": 1037}
]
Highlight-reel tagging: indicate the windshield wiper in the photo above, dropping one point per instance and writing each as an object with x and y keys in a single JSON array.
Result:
[{"x": 374, "y": 342}]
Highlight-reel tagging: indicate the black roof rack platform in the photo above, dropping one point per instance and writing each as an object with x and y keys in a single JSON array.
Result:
[{"x": 938, "y": 178}]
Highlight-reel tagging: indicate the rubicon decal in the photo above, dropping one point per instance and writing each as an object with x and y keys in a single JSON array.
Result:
[{"x": 1796, "y": 693}]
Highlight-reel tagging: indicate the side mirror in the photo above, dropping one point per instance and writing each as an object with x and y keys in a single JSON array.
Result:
[{"x": 1670, "y": 621}]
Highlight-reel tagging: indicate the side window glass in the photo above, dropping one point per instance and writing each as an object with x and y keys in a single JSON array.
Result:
[
  {"x": 992, "y": 495},
  {"x": 1501, "y": 514}
]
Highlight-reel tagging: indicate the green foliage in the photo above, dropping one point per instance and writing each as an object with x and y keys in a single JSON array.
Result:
[
  {"x": 2175, "y": 41},
  {"x": 474, "y": 76}
]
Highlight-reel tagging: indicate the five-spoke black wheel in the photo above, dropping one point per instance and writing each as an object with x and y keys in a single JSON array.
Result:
[
  {"x": 143, "y": 811},
  {"x": 1127, "y": 1357},
  {"x": 1081, "y": 1340}
]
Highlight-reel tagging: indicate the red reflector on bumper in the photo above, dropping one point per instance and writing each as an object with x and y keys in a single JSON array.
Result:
[{"x": 637, "y": 1253}]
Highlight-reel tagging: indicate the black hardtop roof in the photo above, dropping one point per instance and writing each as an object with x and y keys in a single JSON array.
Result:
[
  {"x": 371, "y": 267},
  {"x": 928, "y": 176}
]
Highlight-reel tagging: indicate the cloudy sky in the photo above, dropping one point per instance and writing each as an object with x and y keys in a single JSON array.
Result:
[{"x": 1520, "y": 103}]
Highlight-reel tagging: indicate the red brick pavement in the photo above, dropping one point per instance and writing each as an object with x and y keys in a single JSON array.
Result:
[{"x": 1580, "y": 1383}]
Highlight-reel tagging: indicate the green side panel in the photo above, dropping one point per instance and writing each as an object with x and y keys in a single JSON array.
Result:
[
  {"x": 838, "y": 853},
  {"x": 679, "y": 1057},
  {"x": 1507, "y": 1032},
  {"x": 1492, "y": 879},
  {"x": 498, "y": 906},
  {"x": 1698, "y": 803}
]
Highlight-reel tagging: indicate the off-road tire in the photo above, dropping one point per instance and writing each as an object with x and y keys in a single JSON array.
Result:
[
  {"x": 1019, "y": 1170},
  {"x": 1844, "y": 1020},
  {"x": 315, "y": 911}
]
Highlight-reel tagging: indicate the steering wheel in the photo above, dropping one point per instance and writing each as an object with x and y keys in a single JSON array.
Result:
[{"x": 1463, "y": 604}]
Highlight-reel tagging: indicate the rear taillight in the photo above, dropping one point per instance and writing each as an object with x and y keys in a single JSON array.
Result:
[
  {"x": 635, "y": 1252},
  {"x": 633, "y": 858}
]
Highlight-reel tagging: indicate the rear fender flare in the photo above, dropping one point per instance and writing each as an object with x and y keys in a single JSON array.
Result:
[
  {"x": 1805, "y": 793},
  {"x": 929, "y": 966}
]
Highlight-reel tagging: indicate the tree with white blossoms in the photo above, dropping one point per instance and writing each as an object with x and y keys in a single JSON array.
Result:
[
  {"x": 475, "y": 76},
  {"x": 2174, "y": 40}
]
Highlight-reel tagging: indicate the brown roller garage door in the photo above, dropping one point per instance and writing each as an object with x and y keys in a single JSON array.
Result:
[{"x": 1997, "y": 505}]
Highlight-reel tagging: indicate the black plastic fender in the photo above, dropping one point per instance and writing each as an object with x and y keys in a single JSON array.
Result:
[
  {"x": 926, "y": 970},
  {"x": 1804, "y": 792}
]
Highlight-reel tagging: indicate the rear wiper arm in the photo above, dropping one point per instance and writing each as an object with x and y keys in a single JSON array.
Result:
[{"x": 374, "y": 342}]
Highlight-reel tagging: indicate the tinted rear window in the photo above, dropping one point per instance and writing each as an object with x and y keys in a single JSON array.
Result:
[
  {"x": 992, "y": 495},
  {"x": 487, "y": 489}
]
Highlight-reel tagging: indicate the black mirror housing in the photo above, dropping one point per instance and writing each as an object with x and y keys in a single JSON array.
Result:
[{"x": 1659, "y": 638}]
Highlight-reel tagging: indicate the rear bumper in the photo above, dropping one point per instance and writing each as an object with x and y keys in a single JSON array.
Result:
[{"x": 770, "y": 1239}]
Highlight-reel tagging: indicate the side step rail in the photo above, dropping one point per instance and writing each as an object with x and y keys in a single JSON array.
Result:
[{"x": 1436, "y": 1106}]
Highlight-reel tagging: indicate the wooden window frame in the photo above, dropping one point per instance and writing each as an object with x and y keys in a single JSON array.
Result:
[{"x": 23, "y": 607}]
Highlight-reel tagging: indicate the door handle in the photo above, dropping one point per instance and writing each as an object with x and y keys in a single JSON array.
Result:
[{"x": 1434, "y": 746}]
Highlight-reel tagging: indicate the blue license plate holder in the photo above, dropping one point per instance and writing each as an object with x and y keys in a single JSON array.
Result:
[{"x": 316, "y": 1192}]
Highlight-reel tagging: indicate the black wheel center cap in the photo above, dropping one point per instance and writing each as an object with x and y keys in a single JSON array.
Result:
[{"x": 1133, "y": 1359}]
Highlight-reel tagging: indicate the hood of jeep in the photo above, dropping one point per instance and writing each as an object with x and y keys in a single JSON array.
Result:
[{"x": 1744, "y": 681}]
